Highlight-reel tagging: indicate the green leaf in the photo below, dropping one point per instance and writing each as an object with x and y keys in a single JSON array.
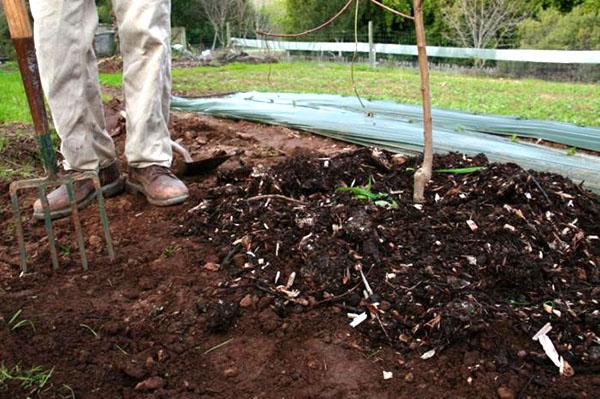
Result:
[
  {"x": 462, "y": 171},
  {"x": 383, "y": 200},
  {"x": 15, "y": 316},
  {"x": 519, "y": 303}
]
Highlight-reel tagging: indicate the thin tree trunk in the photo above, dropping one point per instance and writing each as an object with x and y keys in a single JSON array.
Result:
[
  {"x": 214, "y": 45},
  {"x": 423, "y": 175}
]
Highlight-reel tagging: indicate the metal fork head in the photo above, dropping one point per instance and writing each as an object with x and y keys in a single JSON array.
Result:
[{"x": 42, "y": 185}]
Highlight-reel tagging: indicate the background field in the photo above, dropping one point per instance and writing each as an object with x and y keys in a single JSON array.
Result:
[{"x": 567, "y": 102}]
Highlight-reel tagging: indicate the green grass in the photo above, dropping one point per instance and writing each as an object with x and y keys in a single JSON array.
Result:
[
  {"x": 9, "y": 172},
  {"x": 35, "y": 378},
  {"x": 535, "y": 99},
  {"x": 528, "y": 98},
  {"x": 111, "y": 79},
  {"x": 16, "y": 323},
  {"x": 170, "y": 251},
  {"x": 13, "y": 103},
  {"x": 10, "y": 166}
]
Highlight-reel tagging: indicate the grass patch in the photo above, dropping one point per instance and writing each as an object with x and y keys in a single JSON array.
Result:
[
  {"x": 12, "y": 171},
  {"x": 15, "y": 322},
  {"x": 18, "y": 152},
  {"x": 170, "y": 251},
  {"x": 35, "y": 378},
  {"x": 111, "y": 79},
  {"x": 13, "y": 103},
  {"x": 527, "y": 98}
]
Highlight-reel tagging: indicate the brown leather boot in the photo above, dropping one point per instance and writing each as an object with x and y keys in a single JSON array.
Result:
[
  {"x": 58, "y": 200},
  {"x": 158, "y": 184}
]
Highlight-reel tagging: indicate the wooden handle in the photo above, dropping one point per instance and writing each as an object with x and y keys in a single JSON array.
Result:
[{"x": 18, "y": 19}]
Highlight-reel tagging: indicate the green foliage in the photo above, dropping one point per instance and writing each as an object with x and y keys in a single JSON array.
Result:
[
  {"x": 65, "y": 251},
  {"x": 571, "y": 151},
  {"x": 581, "y": 27},
  {"x": 104, "y": 11},
  {"x": 188, "y": 13},
  {"x": 272, "y": 15},
  {"x": 306, "y": 14},
  {"x": 576, "y": 30},
  {"x": 562, "y": 5},
  {"x": 6, "y": 48},
  {"x": 170, "y": 250},
  {"x": 383, "y": 200}
]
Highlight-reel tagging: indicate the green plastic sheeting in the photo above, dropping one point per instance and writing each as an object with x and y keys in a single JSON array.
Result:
[
  {"x": 564, "y": 133},
  {"x": 398, "y": 128}
]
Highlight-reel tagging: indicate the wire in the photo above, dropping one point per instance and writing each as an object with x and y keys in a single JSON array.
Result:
[
  {"x": 390, "y": 9},
  {"x": 355, "y": 55},
  {"x": 308, "y": 32},
  {"x": 329, "y": 22}
]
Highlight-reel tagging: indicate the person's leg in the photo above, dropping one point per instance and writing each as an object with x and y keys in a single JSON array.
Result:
[
  {"x": 145, "y": 33},
  {"x": 144, "y": 36},
  {"x": 64, "y": 33}
]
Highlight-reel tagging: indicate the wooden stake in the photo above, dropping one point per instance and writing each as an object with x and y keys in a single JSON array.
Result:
[
  {"x": 423, "y": 175},
  {"x": 372, "y": 53},
  {"x": 17, "y": 18}
]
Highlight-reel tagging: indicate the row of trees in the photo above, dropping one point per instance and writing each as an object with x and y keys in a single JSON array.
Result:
[
  {"x": 544, "y": 24},
  {"x": 205, "y": 20},
  {"x": 466, "y": 23}
]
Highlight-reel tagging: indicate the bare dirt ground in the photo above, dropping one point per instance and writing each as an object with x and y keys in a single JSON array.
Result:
[{"x": 191, "y": 309}]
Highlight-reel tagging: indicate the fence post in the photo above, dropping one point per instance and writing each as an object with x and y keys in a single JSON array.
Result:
[
  {"x": 228, "y": 35},
  {"x": 372, "y": 51}
]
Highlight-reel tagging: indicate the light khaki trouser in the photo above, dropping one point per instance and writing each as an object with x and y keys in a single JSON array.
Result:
[{"x": 64, "y": 34}]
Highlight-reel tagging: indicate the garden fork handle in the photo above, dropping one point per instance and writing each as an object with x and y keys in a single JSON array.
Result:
[{"x": 22, "y": 36}]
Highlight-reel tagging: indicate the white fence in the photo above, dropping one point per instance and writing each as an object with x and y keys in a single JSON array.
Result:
[{"x": 549, "y": 56}]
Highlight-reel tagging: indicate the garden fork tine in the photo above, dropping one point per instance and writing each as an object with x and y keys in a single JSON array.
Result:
[{"x": 22, "y": 36}]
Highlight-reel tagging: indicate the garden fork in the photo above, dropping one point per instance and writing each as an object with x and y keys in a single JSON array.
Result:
[{"x": 22, "y": 37}]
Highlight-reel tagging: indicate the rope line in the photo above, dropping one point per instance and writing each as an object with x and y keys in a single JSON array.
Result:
[
  {"x": 308, "y": 32},
  {"x": 330, "y": 21}
]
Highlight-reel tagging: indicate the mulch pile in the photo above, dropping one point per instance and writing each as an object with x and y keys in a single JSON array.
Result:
[{"x": 499, "y": 244}]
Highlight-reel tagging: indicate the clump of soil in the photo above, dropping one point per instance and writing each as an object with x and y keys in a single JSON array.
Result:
[{"x": 498, "y": 245}]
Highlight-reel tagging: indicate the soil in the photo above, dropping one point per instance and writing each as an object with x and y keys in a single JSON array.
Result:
[{"x": 201, "y": 303}]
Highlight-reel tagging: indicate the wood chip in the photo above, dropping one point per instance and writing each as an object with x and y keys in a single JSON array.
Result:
[
  {"x": 358, "y": 319},
  {"x": 428, "y": 355},
  {"x": 472, "y": 225}
]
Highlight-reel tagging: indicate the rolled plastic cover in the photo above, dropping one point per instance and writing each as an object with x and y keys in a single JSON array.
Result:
[{"x": 398, "y": 128}]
